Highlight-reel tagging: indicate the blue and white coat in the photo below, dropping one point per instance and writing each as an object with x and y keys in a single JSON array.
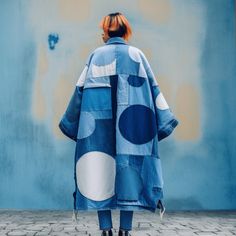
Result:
[{"x": 116, "y": 115}]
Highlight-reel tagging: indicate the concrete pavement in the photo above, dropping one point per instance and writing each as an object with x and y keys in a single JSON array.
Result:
[{"x": 57, "y": 223}]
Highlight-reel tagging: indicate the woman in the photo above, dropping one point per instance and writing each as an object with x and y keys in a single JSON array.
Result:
[{"x": 117, "y": 114}]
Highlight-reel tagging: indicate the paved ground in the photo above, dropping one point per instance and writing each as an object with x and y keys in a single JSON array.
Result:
[{"x": 144, "y": 224}]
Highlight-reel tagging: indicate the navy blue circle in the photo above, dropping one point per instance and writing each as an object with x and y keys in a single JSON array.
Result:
[
  {"x": 137, "y": 124},
  {"x": 136, "y": 81}
]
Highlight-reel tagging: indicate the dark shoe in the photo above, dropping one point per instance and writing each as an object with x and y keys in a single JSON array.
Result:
[
  {"x": 107, "y": 233},
  {"x": 123, "y": 233}
]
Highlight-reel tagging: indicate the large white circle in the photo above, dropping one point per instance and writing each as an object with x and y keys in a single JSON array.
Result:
[
  {"x": 95, "y": 175},
  {"x": 161, "y": 102}
]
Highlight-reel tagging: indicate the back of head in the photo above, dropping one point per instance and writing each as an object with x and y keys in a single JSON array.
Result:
[{"x": 116, "y": 25}]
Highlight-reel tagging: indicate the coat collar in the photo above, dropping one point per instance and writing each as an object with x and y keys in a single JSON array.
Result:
[{"x": 116, "y": 40}]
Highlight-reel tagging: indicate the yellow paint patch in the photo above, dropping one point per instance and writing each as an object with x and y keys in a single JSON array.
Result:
[
  {"x": 61, "y": 96},
  {"x": 38, "y": 100},
  {"x": 148, "y": 53},
  {"x": 158, "y": 11},
  {"x": 188, "y": 113},
  {"x": 74, "y": 10},
  {"x": 42, "y": 60},
  {"x": 84, "y": 52},
  {"x": 86, "y": 49}
]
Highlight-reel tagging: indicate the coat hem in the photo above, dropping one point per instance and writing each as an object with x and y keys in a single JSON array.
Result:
[{"x": 118, "y": 207}]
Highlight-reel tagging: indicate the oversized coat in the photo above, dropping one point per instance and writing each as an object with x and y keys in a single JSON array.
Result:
[{"x": 116, "y": 115}]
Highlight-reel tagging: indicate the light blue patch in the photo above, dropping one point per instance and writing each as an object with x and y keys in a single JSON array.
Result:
[
  {"x": 104, "y": 114},
  {"x": 123, "y": 90},
  {"x": 125, "y": 65},
  {"x": 140, "y": 94},
  {"x": 99, "y": 59},
  {"x": 97, "y": 82},
  {"x": 85, "y": 131},
  {"x": 97, "y": 98}
]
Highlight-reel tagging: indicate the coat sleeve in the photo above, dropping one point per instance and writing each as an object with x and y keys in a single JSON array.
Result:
[
  {"x": 69, "y": 122},
  {"x": 166, "y": 120},
  {"x": 70, "y": 119}
]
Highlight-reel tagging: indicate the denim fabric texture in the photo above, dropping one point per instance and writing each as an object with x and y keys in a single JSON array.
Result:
[{"x": 117, "y": 115}]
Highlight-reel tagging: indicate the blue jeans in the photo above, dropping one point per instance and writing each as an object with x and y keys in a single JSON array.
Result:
[{"x": 105, "y": 220}]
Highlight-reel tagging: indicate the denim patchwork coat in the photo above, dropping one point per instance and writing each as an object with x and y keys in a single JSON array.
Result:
[{"x": 116, "y": 115}]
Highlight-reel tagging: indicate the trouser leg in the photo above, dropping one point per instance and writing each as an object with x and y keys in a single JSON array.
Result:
[
  {"x": 126, "y": 218},
  {"x": 105, "y": 220}
]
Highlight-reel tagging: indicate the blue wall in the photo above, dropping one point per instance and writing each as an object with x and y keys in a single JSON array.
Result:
[{"x": 191, "y": 47}]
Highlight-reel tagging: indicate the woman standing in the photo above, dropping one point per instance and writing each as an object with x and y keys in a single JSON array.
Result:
[{"x": 116, "y": 115}]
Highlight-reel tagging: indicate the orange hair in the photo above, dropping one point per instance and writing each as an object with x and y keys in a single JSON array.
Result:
[{"x": 116, "y": 24}]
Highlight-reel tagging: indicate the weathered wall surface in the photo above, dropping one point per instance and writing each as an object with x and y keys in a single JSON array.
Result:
[{"x": 191, "y": 47}]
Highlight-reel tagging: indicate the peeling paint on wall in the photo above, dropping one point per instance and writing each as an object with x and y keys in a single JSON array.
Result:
[
  {"x": 38, "y": 99},
  {"x": 188, "y": 110},
  {"x": 53, "y": 40}
]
